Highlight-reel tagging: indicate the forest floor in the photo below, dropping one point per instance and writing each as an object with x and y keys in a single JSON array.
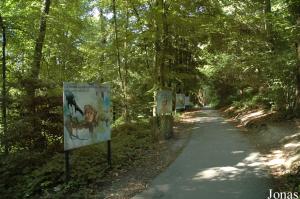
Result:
[
  {"x": 277, "y": 139},
  {"x": 136, "y": 159},
  {"x": 130, "y": 182}
]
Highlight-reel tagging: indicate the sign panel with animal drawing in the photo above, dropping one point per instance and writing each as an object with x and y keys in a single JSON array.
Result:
[
  {"x": 86, "y": 114},
  {"x": 164, "y": 102},
  {"x": 180, "y": 98},
  {"x": 187, "y": 101}
]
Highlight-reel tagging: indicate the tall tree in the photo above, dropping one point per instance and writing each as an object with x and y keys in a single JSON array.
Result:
[
  {"x": 34, "y": 75},
  {"x": 126, "y": 111},
  {"x": 294, "y": 11},
  {"x": 267, "y": 12},
  {"x": 37, "y": 57},
  {"x": 123, "y": 79},
  {"x": 4, "y": 92},
  {"x": 297, "y": 109}
]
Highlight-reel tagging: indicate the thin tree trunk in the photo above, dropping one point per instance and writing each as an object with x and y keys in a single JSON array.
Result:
[
  {"x": 126, "y": 66},
  {"x": 157, "y": 48},
  {"x": 102, "y": 25},
  {"x": 4, "y": 97},
  {"x": 268, "y": 23},
  {"x": 146, "y": 52},
  {"x": 160, "y": 45},
  {"x": 164, "y": 123},
  {"x": 117, "y": 43},
  {"x": 156, "y": 71},
  {"x": 119, "y": 57},
  {"x": 267, "y": 11},
  {"x": 297, "y": 107},
  {"x": 165, "y": 44},
  {"x": 102, "y": 36},
  {"x": 39, "y": 140},
  {"x": 39, "y": 43}
]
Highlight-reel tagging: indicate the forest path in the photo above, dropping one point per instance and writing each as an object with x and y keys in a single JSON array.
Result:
[{"x": 218, "y": 162}]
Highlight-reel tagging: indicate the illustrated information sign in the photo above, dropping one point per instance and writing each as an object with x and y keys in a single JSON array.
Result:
[
  {"x": 180, "y": 101},
  {"x": 164, "y": 102},
  {"x": 187, "y": 101},
  {"x": 86, "y": 114}
]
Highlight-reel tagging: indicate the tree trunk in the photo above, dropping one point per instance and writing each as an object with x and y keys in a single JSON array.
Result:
[
  {"x": 39, "y": 43},
  {"x": 117, "y": 42},
  {"x": 297, "y": 107},
  {"x": 268, "y": 23},
  {"x": 39, "y": 140},
  {"x": 4, "y": 97},
  {"x": 156, "y": 70},
  {"x": 157, "y": 48},
  {"x": 165, "y": 44},
  {"x": 125, "y": 111},
  {"x": 163, "y": 127},
  {"x": 267, "y": 12}
]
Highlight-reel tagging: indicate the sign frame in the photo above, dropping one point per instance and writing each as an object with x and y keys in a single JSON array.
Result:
[
  {"x": 164, "y": 102},
  {"x": 86, "y": 106},
  {"x": 180, "y": 101}
]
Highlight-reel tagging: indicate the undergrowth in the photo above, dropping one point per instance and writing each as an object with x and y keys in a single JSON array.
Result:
[{"x": 29, "y": 174}]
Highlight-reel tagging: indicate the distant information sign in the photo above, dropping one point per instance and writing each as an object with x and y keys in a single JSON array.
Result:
[
  {"x": 86, "y": 114},
  {"x": 187, "y": 101},
  {"x": 180, "y": 101},
  {"x": 164, "y": 102}
]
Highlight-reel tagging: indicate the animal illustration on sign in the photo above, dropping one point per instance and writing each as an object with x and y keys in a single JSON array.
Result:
[
  {"x": 86, "y": 114},
  {"x": 73, "y": 122},
  {"x": 180, "y": 101},
  {"x": 106, "y": 102},
  {"x": 91, "y": 117},
  {"x": 71, "y": 101},
  {"x": 164, "y": 102}
]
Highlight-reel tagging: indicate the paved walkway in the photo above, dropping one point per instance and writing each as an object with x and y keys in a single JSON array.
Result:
[{"x": 217, "y": 163}]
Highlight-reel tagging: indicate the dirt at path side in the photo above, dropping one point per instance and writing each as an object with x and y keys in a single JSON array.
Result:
[
  {"x": 277, "y": 140},
  {"x": 128, "y": 183}
]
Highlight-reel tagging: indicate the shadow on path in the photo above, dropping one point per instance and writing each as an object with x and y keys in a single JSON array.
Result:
[{"x": 218, "y": 163}]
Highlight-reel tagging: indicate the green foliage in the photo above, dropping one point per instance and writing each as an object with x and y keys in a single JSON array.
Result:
[
  {"x": 256, "y": 55},
  {"x": 15, "y": 169},
  {"x": 217, "y": 51}
]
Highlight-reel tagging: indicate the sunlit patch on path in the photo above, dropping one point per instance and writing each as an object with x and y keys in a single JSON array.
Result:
[{"x": 218, "y": 162}]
